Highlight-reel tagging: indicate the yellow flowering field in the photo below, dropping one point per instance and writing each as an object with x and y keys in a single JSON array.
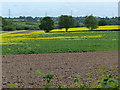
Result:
[{"x": 76, "y": 40}]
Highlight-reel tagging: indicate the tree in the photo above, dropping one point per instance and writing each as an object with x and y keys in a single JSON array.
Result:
[
  {"x": 29, "y": 19},
  {"x": 6, "y": 22},
  {"x": 36, "y": 19},
  {"x": 91, "y": 22},
  {"x": 9, "y": 28},
  {"x": 103, "y": 22},
  {"x": 47, "y": 24},
  {"x": 21, "y": 17},
  {"x": 8, "y": 25},
  {"x": 66, "y": 22}
]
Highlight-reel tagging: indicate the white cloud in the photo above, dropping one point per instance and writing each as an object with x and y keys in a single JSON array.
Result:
[{"x": 59, "y": 1}]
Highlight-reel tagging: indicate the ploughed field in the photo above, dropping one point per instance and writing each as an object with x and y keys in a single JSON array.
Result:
[
  {"x": 91, "y": 66},
  {"x": 59, "y": 41}
]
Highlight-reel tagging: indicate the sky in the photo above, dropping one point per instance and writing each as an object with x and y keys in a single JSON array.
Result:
[
  {"x": 59, "y": 0},
  {"x": 54, "y": 8}
]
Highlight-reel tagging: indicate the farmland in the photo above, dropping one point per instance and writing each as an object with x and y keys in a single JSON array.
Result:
[
  {"x": 91, "y": 67},
  {"x": 62, "y": 45},
  {"x": 59, "y": 41},
  {"x": 59, "y": 52}
]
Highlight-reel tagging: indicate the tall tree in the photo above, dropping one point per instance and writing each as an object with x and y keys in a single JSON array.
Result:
[
  {"x": 91, "y": 22},
  {"x": 46, "y": 24},
  {"x": 66, "y": 22}
]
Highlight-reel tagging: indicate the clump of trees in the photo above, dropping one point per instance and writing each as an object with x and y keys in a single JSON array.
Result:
[
  {"x": 7, "y": 25},
  {"x": 46, "y": 24},
  {"x": 103, "y": 22},
  {"x": 49, "y": 23},
  {"x": 91, "y": 22},
  {"x": 10, "y": 25},
  {"x": 66, "y": 22}
]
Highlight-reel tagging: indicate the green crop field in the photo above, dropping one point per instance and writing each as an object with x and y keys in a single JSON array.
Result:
[{"x": 58, "y": 41}]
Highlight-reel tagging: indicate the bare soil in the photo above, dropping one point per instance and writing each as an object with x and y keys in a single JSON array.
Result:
[
  {"x": 29, "y": 31},
  {"x": 21, "y": 68}
]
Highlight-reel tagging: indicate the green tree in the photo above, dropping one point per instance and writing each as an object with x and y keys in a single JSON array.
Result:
[
  {"x": 66, "y": 22},
  {"x": 29, "y": 19},
  {"x": 21, "y": 17},
  {"x": 0, "y": 23},
  {"x": 6, "y": 22},
  {"x": 8, "y": 25},
  {"x": 91, "y": 22},
  {"x": 103, "y": 22},
  {"x": 47, "y": 24}
]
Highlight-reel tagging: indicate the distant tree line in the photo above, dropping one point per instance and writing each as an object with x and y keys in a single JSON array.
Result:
[
  {"x": 64, "y": 21},
  {"x": 8, "y": 24}
]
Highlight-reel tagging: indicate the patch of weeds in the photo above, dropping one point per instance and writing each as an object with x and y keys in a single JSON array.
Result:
[
  {"x": 47, "y": 77},
  {"x": 13, "y": 85}
]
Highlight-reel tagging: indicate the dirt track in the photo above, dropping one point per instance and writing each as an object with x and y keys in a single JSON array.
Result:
[
  {"x": 29, "y": 31},
  {"x": 21, "y": 68}
]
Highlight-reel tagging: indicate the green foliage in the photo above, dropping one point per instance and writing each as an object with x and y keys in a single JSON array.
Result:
[
  {"x": 66, "y": 22},
  {"x": 61, "y": 46},
  {"x": 82, "y": 25},
  {"x": 18, "y": 27},
  {"x": 84, "y": 86},
  {"x": 103, "y": 22},
  {"x": 9, "y": 28},
  {"x": 91, "y": 22},
  {"x": 27, "y": 27},
  {"x": 29, "y": 19},
  {"x": 108, "y": 82},
  {"x": 7, "y": 25},
  {"x": 64, "y": 87},
  {"x": 48, "y": 77},
  {"x": 6, "y": 22},
  {"x": 77, "y": 79},
  {"x": 30, "y": 23},
  {"x": 48, "y": 85},
  {"x": 11, "y": 85},
  {"x": 40, "y": 73},
  {"x": 46, "y": 24}
]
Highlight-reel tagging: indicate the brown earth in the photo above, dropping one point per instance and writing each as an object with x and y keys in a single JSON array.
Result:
[
  {"x": 29, "y": 31},
  {"x": 21, "y": 68}
]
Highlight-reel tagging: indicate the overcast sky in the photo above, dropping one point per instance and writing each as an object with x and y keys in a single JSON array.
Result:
[
  {"x": 57, "y": 7},
  {"x": 59, "y": 0}
]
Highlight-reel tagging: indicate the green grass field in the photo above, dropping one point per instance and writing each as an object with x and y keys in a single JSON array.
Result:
[{"x": 40, "y": 42}]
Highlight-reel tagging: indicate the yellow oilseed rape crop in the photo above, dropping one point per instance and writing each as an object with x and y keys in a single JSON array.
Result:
[
  {"x": 59, "y": 41},
  {"x": 44, "y": 38}
]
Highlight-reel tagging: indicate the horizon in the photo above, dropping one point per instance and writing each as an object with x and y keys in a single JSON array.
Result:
[
  {"x": 59, "y": 16},
  {"x": 55, "y": 9}
]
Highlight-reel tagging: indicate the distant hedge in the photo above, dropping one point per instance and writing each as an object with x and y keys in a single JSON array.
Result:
[
  {"x": 9, "y": 28},
  {"x": 26, "y": 27}
]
